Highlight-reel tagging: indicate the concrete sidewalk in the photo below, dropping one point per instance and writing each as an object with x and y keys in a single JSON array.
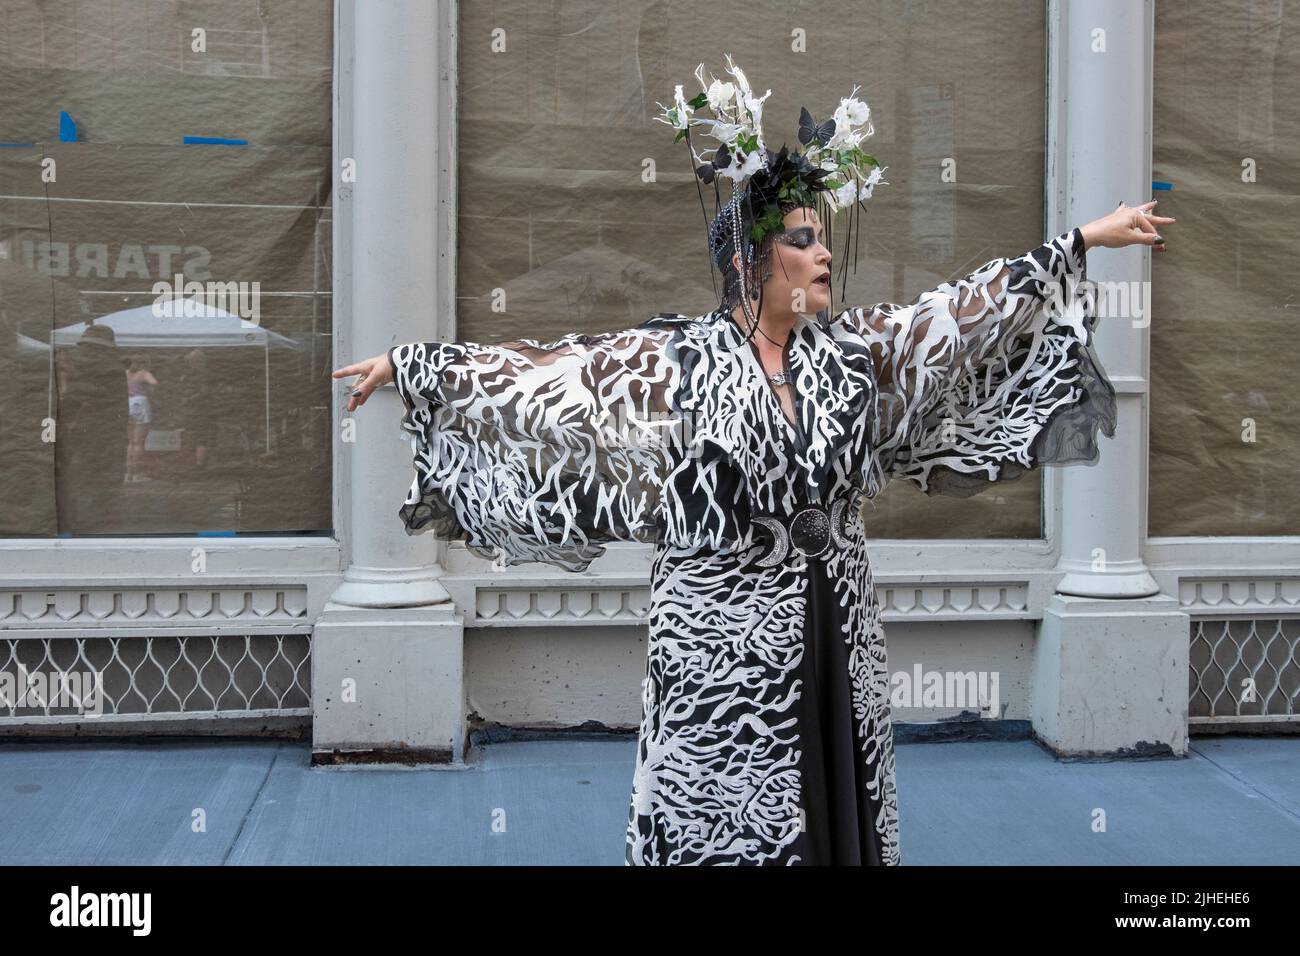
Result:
[{"x": 1234, "y": 800}]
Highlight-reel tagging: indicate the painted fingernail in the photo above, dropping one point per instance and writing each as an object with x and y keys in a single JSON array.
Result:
[
  {"x": 358, "y": 394},
  {"x": 1159, "y": 241}
]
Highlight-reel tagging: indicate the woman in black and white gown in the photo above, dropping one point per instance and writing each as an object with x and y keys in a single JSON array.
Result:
[{"x": 741, "y": 444}]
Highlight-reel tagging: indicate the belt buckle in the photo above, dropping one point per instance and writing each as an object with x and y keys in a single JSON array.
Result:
[{"x": 811, "y": 530}]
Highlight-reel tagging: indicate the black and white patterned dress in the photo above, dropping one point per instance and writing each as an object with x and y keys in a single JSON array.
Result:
[{"x": 765, "y": 734}]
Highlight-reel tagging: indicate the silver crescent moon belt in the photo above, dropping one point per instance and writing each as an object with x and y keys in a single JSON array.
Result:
[{"x": 812, "y": 530}]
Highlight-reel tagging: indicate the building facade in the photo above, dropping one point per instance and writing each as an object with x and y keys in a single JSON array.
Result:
[{"x": 226, "y": 554}]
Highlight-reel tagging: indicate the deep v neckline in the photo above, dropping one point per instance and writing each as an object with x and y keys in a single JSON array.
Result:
[
  {"x": 793, "y": 426},
  {"x": 771, "y": 390}
]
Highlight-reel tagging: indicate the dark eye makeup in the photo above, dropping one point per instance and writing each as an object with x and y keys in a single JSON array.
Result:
[{"x": 800, "y": 238}]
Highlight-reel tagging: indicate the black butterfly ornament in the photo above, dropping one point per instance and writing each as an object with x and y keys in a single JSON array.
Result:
[{"x": 810, "y": 131}]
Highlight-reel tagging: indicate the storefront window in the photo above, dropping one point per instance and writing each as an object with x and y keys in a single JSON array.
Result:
[
  {"x": 165, "y": 274},
  {"x": 1225, "y": 419}
]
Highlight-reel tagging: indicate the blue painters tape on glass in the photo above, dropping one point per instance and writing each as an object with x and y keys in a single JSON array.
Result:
[
  {"x": 1159, "y": 185},
  {"x": 215, "y": 141},
  {"x": 215, "y": 534},
  {"x": 67, "y": 128}
]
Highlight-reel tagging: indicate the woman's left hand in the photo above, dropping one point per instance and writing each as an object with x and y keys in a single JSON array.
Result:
[{"x": 1126, "y": 226}]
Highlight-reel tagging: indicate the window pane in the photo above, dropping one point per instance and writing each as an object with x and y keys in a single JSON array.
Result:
[
  {"x": 561, "y": 231},
  {"x": 131, "y": 411},
  {"x": 1225, "y": 417}
]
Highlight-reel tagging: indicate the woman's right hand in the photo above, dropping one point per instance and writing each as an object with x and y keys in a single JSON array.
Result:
[{"x": 374, "y": 373}]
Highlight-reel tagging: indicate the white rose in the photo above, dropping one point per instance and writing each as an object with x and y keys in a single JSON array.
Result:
[
  {"x": 857, "y": 112},
  {"x": 720, "y": 95}
]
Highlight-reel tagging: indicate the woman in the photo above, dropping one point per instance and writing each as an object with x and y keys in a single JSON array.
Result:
[
  {"x": 139, "y": 383},
  {"x": 765, "y": 732}
]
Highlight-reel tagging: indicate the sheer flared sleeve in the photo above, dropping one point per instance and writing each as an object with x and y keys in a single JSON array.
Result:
[
  {"x": 988, "y": 376},
  {"x": 530, "y": 451}
]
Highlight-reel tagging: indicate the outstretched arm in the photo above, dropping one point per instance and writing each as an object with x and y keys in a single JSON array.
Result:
[
  {"x": 532, "y": 451},
  {"x": 583, "y": 391},
  {"x": 916, "y": 348},
  {"x": 971, "y": 373}
]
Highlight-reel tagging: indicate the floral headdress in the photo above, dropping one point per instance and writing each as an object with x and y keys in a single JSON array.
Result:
[{"x": 830, "y": 171}]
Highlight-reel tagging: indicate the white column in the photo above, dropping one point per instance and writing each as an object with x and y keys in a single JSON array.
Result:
[
  {"x": 1105, "y": 157},
  {"x": 1111, "y": 666},
  {"x": 387, "y": 654}
]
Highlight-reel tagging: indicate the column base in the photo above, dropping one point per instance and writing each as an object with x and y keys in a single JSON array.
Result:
[
  {"x": 387, "y": 686},
  {"x": 365, "y": 587},
  {"x": 1110, "y": 677},
  {"x": 1127, "y": 580}
]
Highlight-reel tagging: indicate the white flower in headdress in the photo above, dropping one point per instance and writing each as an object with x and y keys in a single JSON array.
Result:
[
  {"x": 699, "y": 75},
  {"x": 684, "y": 109},
  {"x": 855, "y": 189},
  {"x": 873, "y": 180},
  {"x": 831, "y": 147},
  {"x": 738, "y": 116},
  {"x": 849, "y": 115},
  {"x": 853, "y": 111},
  {"x": 720, "y": 95},
  {"x": 753, "y": 162},
  {"x": 754, "y": 105},
  {"x": 845, "y": 140},
  {"x": 746, "y": 99},
  {"x": 726, "y": 132},
  {"x": 740, "y": 77},
  {"x": 680, "y": 115}
]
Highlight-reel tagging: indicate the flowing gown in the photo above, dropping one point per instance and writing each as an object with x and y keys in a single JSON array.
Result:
[{"x": 765, "y": 733}]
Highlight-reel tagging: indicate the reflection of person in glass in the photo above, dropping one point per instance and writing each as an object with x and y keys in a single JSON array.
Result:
[
  {"x": 91, "y": 439},
  {"x": 139, "y": 384},
  {"x": 196, "y": 408},
  {"x": 765, "y": 733}
]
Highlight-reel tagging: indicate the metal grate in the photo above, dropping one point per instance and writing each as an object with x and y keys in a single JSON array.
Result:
[
  {"x": 1244, "y": 670},
  {"x": 165, "y": 677}
]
